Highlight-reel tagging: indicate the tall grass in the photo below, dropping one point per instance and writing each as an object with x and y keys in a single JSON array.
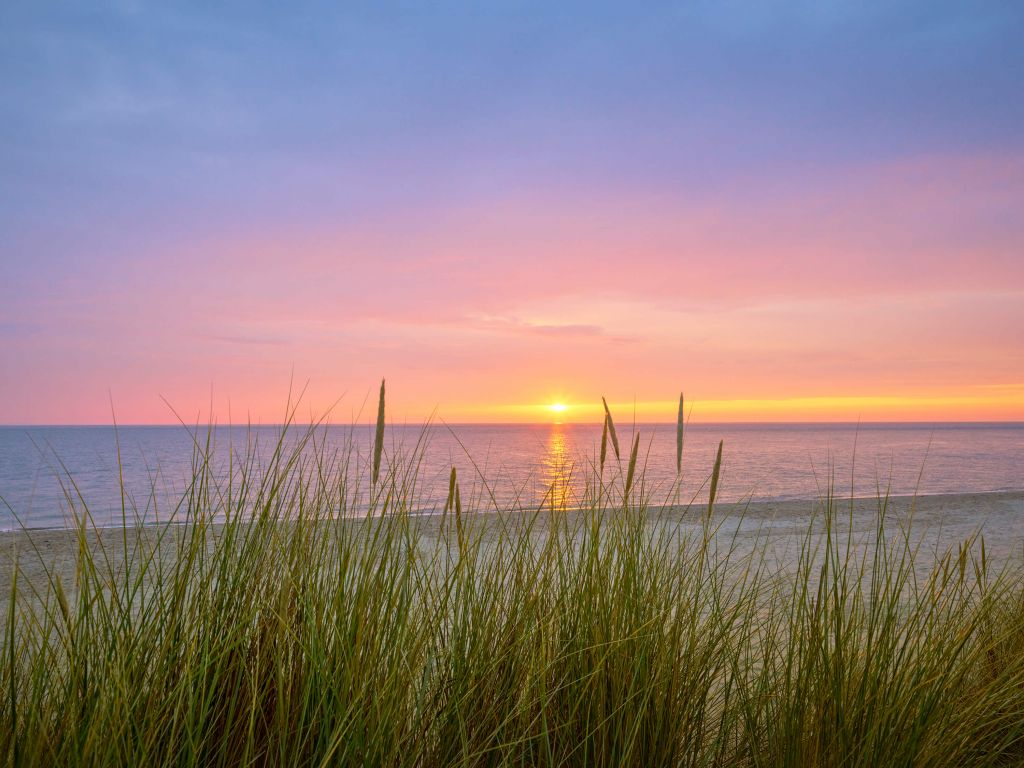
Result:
[{"x": 276, "y": 627}]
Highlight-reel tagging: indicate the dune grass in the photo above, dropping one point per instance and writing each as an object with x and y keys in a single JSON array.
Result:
[{"x": 271, "y": 625}]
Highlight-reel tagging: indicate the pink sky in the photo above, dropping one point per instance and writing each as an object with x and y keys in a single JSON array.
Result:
[{"x": 888, "y": 293}]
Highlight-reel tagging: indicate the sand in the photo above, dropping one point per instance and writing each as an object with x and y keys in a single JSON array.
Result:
[{"x": 945, "y": 520}]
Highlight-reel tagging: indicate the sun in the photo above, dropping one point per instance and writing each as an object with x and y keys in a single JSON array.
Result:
[{"x": 558, "y": 407}]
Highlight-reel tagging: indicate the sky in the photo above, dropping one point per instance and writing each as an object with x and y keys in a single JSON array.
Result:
[{"x": 787, "y": 210}]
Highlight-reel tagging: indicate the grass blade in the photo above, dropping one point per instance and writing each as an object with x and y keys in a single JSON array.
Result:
[
  {"x": 631, "y": 471},
  {"x": 604, "y": 443},
  {"x": 679, "y": 436},
  {"x": 611, "y": 429},
  {"x": 458, "y": 519},
  {"x": 12, "y": 666},
  {"x": 714, "y": 478},
  {"x": 450, "y": 501},
  {"x": 378, "y": 440}
]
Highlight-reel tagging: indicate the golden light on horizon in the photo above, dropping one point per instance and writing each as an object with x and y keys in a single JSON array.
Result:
[{"x": 990, "y": 403}]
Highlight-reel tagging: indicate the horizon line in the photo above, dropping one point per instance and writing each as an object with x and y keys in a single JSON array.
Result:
[{"x": 370, "y": 422}]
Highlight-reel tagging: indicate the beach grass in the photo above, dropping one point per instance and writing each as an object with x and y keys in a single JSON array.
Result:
[{"x": 297, "y": 611}]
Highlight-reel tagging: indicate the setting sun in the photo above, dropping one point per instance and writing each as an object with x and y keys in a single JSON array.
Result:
[{"x": 558, "y": 407}]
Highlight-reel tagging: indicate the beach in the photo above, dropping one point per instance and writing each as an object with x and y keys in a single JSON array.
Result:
[{"x": 943, "y": 520}]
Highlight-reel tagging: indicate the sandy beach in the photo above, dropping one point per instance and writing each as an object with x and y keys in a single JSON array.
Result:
[{"x": 944, "y": 519}]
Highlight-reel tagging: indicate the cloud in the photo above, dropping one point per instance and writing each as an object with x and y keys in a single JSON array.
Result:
[
  {"x": 246, "y": 340},
  {"x": 569, "y": 329}
]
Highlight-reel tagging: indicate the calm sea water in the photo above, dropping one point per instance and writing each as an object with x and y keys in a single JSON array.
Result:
[{"x": 524, "y": 462}]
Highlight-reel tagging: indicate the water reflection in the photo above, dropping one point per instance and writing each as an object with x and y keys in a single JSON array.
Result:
[
  {"x": 557, "y": 468},
  {"x": 520, "y": 462}
]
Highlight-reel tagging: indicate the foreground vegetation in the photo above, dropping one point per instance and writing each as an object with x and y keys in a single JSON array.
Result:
[{"x": 275, "y": 627}]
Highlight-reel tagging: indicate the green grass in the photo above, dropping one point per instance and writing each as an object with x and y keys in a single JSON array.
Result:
[{"x": 267, "y": 631}]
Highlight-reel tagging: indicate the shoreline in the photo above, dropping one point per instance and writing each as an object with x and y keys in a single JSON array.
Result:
[{"x": 733, "y": 506}]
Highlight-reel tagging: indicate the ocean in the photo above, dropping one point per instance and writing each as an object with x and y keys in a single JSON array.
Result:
[{"x": 523, "y": 464}]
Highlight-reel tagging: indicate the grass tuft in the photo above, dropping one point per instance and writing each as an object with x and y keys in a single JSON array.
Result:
[{"x": 288, "y": 617}]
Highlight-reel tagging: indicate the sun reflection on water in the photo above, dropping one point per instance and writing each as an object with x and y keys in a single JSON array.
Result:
[{"x": 557, "y": 468}]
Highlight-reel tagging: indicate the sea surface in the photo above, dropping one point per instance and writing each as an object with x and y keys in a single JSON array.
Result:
[{"x": 41, "y": 467}]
